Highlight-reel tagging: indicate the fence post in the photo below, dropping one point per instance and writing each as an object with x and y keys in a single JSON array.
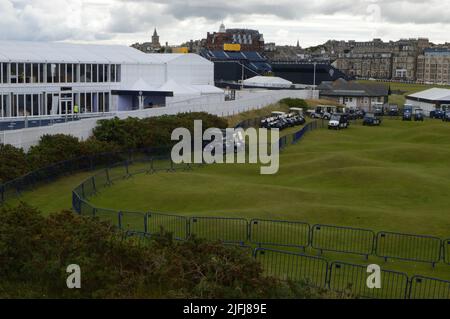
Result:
[
  {"x": 82, "y": 190},
  {"x": 119, "y": 215},
  {"x": 146, "y": 223},
  {"x": 93, "y": 185},
  {"x": 107, "y": 176}
]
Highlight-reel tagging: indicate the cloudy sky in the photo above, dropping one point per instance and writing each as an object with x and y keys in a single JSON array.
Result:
[{"x": 281, "y": 21}]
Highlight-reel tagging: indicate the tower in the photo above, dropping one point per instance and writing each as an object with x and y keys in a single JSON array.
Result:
[
  {"x": 155, "y": 40},
  {"x": 222, "y": 28}
]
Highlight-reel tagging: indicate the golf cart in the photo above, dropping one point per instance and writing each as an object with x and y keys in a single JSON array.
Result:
[
  {"x": 418, "y": 115},
  {"x": 338, "y": 121},
  {"x": 378, "y": 109},
  {"x": 407, "y": 112},
  {"x": 446, "y": 117},
  {"x": 371, "y": 120},
  {"x": 393, "y": 110}
]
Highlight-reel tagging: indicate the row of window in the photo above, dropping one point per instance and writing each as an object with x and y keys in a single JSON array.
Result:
[
  {"x": 20, "y": 105},
  {"x": 14, "y": 73}
]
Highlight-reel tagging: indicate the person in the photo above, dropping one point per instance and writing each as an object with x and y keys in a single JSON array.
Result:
[{"x": 76, "y": 110}]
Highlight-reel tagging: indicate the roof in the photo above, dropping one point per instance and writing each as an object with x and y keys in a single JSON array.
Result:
[
  {"x": 434, "y": 94},
  {"x": 57, "y": 52},
  {"x": 267, "y": 81},
  {"x": 341, "y": 87}
]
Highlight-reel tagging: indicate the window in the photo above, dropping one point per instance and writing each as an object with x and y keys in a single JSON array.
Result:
[
  {"x": 75, "y": 73},
  {"x": 113, "y": 73},
  {"x": 28, "y": 105},
  {"x": 95, "y": 73},
  {"x": 4, "y": 73},
  {"x": 35, "y": 73},
  {"x": 119, "y": 75},
  {"x": 35, "y": 105},
  {"x": 70, "y": 78},
  {"x": 13, "y": 73},
  {"x": 3, "y": 105},
  {"x": 21, "y": 74},
  {"x": 106, "y": 102},
  {"x": 88, "y": 73},
  {"x": 21, "y": 105},
  {"x": 88, "y": 102},
  {"x": 28, "y": 73},
  {"x": 42, "y": 73},
  {"x": 82, "y": 73}
]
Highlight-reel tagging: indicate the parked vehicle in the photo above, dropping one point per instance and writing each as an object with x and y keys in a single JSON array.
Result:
[
  {"x": 446, "y": 117},
  {"x": 407, "y": 115},
  {"x": 338, "y": 121},
  {"x": 370, "y": 119},
  {"x": 393, "y": 110},
  {"x": 437, "y": 114},
  {"x": 418, "y": 115}
]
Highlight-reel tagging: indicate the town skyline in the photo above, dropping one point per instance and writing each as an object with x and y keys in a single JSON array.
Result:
[{"x": 127, "y": 22}]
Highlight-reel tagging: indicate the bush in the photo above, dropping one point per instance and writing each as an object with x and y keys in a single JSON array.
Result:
[
  {"x": 35, "y": 252},
  {"x": 13, "y": 163},
  {"x": 290, "y": 102}
]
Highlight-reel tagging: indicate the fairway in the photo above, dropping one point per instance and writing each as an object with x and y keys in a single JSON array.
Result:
[
  {"x": 392, "y": 178},
  {"x": 388, "y": 178}
]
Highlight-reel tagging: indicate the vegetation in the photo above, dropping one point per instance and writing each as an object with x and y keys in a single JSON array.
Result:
[{"x": 35, "y": 252}]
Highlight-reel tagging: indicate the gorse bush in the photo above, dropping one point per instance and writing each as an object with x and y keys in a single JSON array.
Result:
[
  {"x": 133, "y": 133},
  {"x": 109, "y": 136},
  {"x": 35, "y": 252}
]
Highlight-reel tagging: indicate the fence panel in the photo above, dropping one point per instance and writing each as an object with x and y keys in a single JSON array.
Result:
[
  {"x": 139, "y": 166},
  {"x": 408, "y": 247},
  {"x": 118, "y": 172},
  {"x": 86, "y": 209},
  {"x": 446, "y": 248},
  {"x": 108, "y": 215},
  {"x": 101, "y": 179},
  {"x": 279, "y": 233},
  {"x": 429, "y": 288},
  {"x": 231, "y": 230},
  {"x": 343, "y": 239},
  {"x": 133, "y": 221},
  {"x": 177, "y": 225},
  {"x": 291, "y": 266},
  {"x": 352, "y": 278},
  {"x": 161, "y": 163},
  {"x": 88, "y": 187}
]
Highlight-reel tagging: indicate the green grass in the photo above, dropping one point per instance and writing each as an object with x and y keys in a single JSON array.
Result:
[
  {"x": 401, "y": 90},
  {"x": 392, "y": 178}
]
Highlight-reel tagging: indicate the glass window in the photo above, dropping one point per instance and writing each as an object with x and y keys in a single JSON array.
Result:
[
  {"x": 113, "y": 73},
  {"x": 62, "y": 73},
  {"x": 106, "y": 102},
  {"x": 35, "y": 74},
  {"x": 88, "y": 73},
  {"x": 49, "y": 104},
  {"x": 42, "y": 73},
  {"x": 35, "y": 110},
  {"x": 101, "y": 105},
  {"x": 95, "y": 73},
  {"x": 107, "y": 73},
  {"x": 57, "y": 72},
  {"x": 82, "y": 73},
  {"x": 88, "y": 102},
  {"x": 21, "y": 75},
  {"x": 14, "y": 105},
  {"x": 75, "y": 72},
  {"x": 21, "y": 105},
  {"x": 119, "y": 75},
  {"x": 70, "y": 73},
  {"x": 13, "y": 72},
  {"x": 28, "y": 73},
  {"x": 28, "y": 105}
]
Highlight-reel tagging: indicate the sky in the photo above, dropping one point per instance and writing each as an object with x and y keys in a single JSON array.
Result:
[{"x": 312, "y": 22}]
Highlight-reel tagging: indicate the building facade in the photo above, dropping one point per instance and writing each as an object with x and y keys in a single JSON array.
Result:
[
  {"x": 434, "y": 66},
  {"x": 48, "y": 79},
  {"x": 249, "y": 40}
]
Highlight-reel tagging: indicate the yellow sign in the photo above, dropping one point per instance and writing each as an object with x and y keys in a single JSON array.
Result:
[
  {"x": 231, "y": 47},
  {"x": 180, "y": 50}
]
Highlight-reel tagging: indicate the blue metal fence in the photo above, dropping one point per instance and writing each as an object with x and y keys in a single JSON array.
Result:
[
  {"x": 343, "y": 239},
  {"x": 408, "y": 247},
  {"x": 229, "y": 230},
  {"x": 279, "y": 233},
  {"x": 429, "y": 288},
  {"x": 353, "y": 278}
]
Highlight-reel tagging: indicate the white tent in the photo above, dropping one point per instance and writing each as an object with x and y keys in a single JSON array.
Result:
[
  {"x": 178, "y": 89},
  {"x": 268, "y": 81}
]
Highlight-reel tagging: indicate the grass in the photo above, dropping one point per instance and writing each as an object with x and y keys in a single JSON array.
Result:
[
  {"x": 392, "y": 178},
  {"x": 401, "y": 90}
]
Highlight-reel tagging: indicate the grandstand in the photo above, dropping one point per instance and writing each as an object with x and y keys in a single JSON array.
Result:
[
  {"x": 231, "y": 66},
  {"x": 303, "y": 72}
]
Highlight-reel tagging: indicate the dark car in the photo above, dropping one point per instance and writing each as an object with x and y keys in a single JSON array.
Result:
[
  {"x": 418, "y": 115},
  {"x": 407, "y": 116},
  {"x": 446, "y": 117},
  {"x": 371, "y": 120},
  {"x": 338, "y": 121},
  {"x": 379, "y": 111}
]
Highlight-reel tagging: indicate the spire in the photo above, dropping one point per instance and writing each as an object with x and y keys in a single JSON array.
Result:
[
  {"x": 155, "y": 34},
  {"x": 222, "y": 28}
]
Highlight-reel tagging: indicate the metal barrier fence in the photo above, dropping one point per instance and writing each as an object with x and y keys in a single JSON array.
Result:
[
  {"x": 353, "y": 278},
  {"x": 343, "y": 239},
  {"x": 446, "y": 251},
  {"x": 279, "y": 233},
  {"x": 409, "y": 247},
  {"x": 429, "y": 288}
]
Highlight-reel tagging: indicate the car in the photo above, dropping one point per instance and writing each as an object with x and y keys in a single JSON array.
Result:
[
  {"x": 407, "y": 116},
  {"x": 370, "y": 119},
  {"x": 418, "y": 115},
  {"x": 446, "y": 117},
  {"x": 338, "y": 121}
]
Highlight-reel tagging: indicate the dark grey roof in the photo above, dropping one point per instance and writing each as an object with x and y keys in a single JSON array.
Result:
[{"x": 342, "y": 87}]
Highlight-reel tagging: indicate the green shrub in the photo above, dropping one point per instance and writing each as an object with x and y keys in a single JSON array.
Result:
[
  {"x": 290, "y": 102},
  {"x": 13, "y": 162},
  {"x": 35, "y": 252}
]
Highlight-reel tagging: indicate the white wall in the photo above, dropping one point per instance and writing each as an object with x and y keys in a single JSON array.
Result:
[
  {"x": 82, "y": 129},
  {"x": 426, "y": 107}
]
